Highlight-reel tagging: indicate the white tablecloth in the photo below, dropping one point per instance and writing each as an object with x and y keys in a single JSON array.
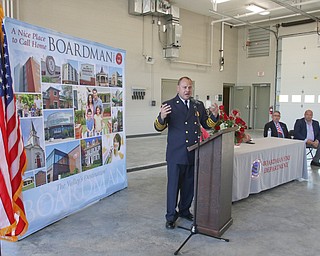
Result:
[{"x": 266, "y": 164}]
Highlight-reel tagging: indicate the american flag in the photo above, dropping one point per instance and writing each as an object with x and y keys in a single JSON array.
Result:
[{"x": 13, "y": 222}]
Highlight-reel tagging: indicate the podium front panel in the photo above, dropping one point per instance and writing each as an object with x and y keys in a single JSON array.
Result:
[{"x": 214, "y": 195}]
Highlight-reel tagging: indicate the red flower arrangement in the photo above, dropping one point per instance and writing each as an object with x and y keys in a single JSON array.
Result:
[{"x": 232, "y": 120}]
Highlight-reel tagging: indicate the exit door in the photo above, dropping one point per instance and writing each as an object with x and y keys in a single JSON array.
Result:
[
  {"x": 241, "y": 101},
  {"x": 261, "y": 103}
]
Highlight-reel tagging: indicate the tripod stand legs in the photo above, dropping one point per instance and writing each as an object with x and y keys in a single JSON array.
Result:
[
  {"x": 185, "y": 241},
  {"x": 194, "y": 231}
]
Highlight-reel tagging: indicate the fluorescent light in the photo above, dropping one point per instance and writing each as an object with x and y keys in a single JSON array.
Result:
[
  {"x": 255, "y": 8},
  {"x": 264, "y": 13},
  {"x": 219, "y": 1}
]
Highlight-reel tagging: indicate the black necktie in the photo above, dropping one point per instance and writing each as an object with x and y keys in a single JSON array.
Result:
[{"x": 186, "y": 103}]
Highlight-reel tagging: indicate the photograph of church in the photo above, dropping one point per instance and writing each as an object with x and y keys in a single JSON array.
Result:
[
  {"x": 32, "y": 134},
  {"x": 115, "y": 77}
]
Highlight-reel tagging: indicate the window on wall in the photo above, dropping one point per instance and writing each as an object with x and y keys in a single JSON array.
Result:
[{"x": 258, "y": 42}]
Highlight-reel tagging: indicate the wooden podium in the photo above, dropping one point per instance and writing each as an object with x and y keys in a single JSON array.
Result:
[{"x": 214, "y": 189}]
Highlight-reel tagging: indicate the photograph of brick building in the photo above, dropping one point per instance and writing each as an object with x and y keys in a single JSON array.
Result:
[
  {"x": 27, "y": 76},
  {"x": 57, "y": 96},
  {"x": 63, "y": 160}
]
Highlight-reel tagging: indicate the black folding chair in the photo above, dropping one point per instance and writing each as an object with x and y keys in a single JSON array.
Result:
[{"x": 309, "y": 151}]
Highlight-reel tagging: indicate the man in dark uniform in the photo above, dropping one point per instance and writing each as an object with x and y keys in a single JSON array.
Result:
[
  {"x": 278, "y": 129},
  {"x": 180, "y": 116}
]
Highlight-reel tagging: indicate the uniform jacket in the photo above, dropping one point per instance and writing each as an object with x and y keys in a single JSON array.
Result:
[
  {"x": 183, "y": 129},
  {"x": 300, "y": 129},
  {"x": 274, "y": 132}
]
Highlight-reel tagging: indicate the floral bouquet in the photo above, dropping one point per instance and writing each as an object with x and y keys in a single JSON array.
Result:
[{"x": 232, "y": 120}]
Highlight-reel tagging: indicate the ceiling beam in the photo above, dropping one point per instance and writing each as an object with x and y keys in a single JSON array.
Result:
[{"x": 295, "y": 9}]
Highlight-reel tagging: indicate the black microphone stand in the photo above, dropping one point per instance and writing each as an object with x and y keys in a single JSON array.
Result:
[{"x": 194, "y": 230}]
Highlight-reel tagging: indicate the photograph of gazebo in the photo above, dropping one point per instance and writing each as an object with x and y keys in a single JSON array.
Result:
[{"x": 102, "y": 76}]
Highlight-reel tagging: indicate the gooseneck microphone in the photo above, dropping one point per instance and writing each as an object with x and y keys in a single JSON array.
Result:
[{"x": 194, "y": 101}]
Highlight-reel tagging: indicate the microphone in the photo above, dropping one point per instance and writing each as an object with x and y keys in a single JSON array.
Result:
[{"x": 194, "y": 101}]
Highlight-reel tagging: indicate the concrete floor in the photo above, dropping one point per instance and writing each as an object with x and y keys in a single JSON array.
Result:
[{"x": 280, "y": 221}]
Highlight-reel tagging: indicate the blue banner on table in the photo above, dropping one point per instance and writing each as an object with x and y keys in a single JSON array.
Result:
[{"x": 69, "y": 96}]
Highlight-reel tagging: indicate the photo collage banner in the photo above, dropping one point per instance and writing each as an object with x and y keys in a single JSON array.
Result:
[{"x": 70, "y": 99}]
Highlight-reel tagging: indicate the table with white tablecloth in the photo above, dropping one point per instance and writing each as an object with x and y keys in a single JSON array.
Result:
[{"x": 266, "y": 164}]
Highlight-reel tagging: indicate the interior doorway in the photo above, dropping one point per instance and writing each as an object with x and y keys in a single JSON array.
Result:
[
  {"x": 228, "y": 97},
  {"x": 242, "y": 101},
  {"x": 261, "y": 104}
]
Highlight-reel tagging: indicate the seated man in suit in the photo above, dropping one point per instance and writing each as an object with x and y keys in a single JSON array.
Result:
[
  {"x": 278, "y": 129},
  {"x": 308, "y": 130}
]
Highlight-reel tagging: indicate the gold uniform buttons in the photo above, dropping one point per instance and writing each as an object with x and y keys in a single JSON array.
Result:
[
  {"x": 187, "y": 132},
  {"x": 195, "y": 122},
  {"x": 187, "y": 141},
  {"x": 185, "y": 122}
]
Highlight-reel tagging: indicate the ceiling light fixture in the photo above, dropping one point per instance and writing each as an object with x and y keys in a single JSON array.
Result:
[
  {"x": 257, "y": 9},
  {"x": 216, "y": 2},
  {"x": 219, "y": 1},
  {"x": 264, "y": 13}
]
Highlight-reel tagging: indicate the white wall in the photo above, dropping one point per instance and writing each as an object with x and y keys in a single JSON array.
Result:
[
  {"x": 248, "y": 68},
  {"x": 108, "y": 22}
]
